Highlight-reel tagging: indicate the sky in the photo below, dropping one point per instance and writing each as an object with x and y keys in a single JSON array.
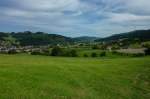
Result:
[{"x": 75, "y": 18}]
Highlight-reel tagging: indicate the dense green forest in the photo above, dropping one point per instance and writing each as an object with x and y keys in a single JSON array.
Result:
[
  {"x": 38, "y": 38},
  {"x": 142, "y": 35},
  {"x": 84, "y": 39}
]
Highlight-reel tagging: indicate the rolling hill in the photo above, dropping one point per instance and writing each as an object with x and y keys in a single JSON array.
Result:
[
  {"x": 38, "y": 38},
  {"x": 85, "y": 39},
  {"x": 142, "y": 35}
]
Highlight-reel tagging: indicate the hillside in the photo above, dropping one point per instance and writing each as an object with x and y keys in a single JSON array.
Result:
[
  {"x": 84, "y": 39},
  {"x": 38, "y": 38},
  {"x": 142, "y": 35}
]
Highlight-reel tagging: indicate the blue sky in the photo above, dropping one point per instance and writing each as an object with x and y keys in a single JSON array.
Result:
[{"x": 75, "y": 17}]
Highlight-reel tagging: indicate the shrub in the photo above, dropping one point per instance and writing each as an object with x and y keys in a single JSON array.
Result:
[
  {"x": 102, "y": 54},
  {"x": 103, "y": 47},
  {"x": 147, "y": 51},
  {"x": 146, "y": 45},
  {"x": 12, "y": 51},
  {"x": 56, "y": 51},
  {"x": 94, "y": 54},
  {"x": 95, "y": 47},
  {"x": 73, "y": 53},
  {"x": 137, "y": 55},
  {"x": 114, "y": 52},
  {"x": 36, "y": 53},
  {"x": 85, "y": 55},
  {"x": 46, "y": 52},
  {"x": 70, "y": 53}
]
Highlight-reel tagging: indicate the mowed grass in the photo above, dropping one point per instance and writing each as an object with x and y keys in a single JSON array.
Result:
[{"x": 44, "y": 77}]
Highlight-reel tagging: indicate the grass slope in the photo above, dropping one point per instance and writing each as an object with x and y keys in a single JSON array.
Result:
[{"x": 41, "y": 77}]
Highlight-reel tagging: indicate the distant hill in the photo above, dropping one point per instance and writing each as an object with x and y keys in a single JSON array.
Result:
[
  {"x": 38, "y": 38},
  {"x": 2, "y": 35},
  {"x": 85, "y": 39},
  {"x": 142, "y": 35}
]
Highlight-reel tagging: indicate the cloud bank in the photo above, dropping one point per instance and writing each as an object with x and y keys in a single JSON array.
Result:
[{"x": 75, "y": 17}]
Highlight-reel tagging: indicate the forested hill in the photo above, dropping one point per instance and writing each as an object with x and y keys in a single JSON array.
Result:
[
  {"x": 142, "y": 35},
  {"x": 38, "y": 38},
  {"x": 85, "y": 39}
]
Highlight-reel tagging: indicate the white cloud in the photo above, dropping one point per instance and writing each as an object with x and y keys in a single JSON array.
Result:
[
  {"x": 88, "y": 16},
  {"x": 127, "y": 17},
  {"x": 138, "y": 6},
  {"x": 51, "y": 5}
]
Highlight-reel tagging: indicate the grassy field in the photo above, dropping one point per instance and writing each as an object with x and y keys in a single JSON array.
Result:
[{"x": 44, "y": 77}]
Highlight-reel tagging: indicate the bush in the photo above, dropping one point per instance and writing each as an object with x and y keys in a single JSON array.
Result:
[
  {"x": 56, "y": 51},
  {"x": 138, "y": 55},
  {"x": 114, "y": 52},
  {"x": 146, "y": 45},
  {"x": 12, "y": 52},
  {"x": 36, "y": 53},
  {"x": 70, "y": 53},
  {"x": 94, "y": 54},
  {"x": 147, "y": 51},
  {"x": 46, "y": 52},
  {"x": 102, "y": 54},
  {"x": 103, "y": 47},
  {"x": 95, "y": 47},
  {"x": 73, "y": 53},
  {"x": 85, "y": 55}
]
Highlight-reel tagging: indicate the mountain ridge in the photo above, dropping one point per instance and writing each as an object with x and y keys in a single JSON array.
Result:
[
  {"x": 85, "y": 39},
  {"x": 38, "y": 38},
  {"x": 143, "y": 35}
]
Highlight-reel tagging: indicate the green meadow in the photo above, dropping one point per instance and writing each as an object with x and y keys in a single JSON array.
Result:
[{"x": 43, "y": 77}]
